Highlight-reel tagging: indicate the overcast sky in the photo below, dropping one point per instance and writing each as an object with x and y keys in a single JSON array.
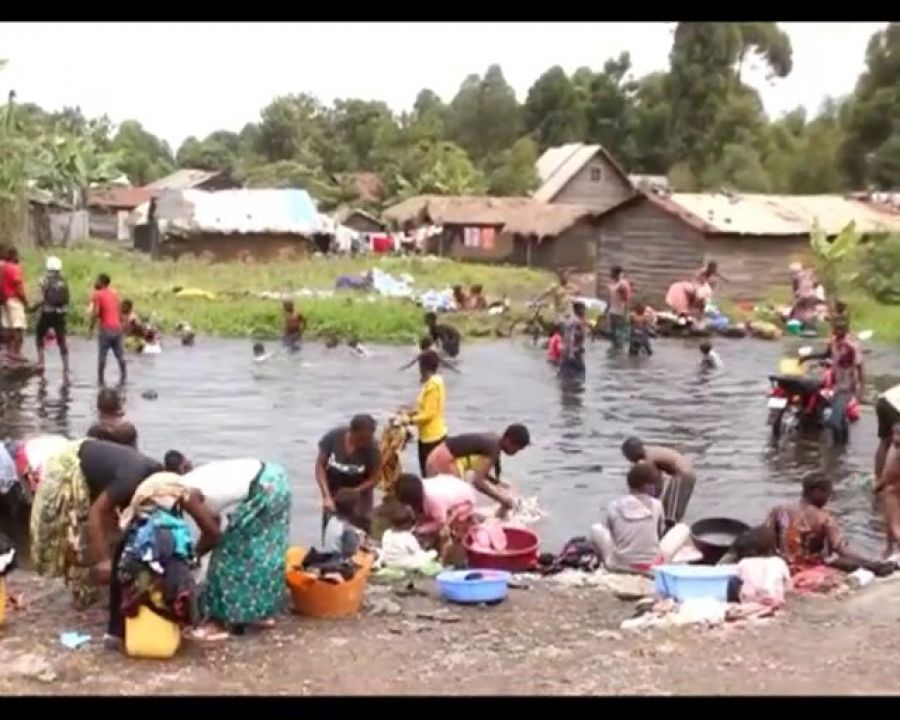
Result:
[{"x": 181, "y": 79}]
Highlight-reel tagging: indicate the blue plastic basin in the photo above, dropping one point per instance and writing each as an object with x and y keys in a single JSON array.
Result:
[
  {"x": 691, "y": 582},
  {"x": 482, "y": 586}
]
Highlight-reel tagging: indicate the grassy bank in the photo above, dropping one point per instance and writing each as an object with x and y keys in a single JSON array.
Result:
[{"x": 237, "y": 311}]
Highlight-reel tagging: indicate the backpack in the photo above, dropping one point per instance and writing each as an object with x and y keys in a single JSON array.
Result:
[{"x": 56, "y": 293}]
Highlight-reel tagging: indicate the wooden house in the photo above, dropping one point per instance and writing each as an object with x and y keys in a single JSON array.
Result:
[{"x": 579, "y": 174}]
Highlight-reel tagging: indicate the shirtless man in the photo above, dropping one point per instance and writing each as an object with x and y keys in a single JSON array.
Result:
[
  {"x": 675, "y": 492},
  {"x": 887, "y": 410},
  {"x": 887, "y": 484}
]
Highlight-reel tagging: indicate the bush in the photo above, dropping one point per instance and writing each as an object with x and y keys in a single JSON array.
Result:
[{"x": 879, "y": 268}]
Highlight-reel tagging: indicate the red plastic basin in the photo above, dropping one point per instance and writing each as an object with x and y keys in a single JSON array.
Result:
[{"x": 521, "y": 552}]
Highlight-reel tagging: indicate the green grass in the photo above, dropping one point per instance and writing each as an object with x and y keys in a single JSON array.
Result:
[{"x": 237, "y": 312}]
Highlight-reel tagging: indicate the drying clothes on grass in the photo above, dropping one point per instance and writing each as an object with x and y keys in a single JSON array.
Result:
[
  {"x": 245, "y": 580},
  {"x": 59, "y": 516}
]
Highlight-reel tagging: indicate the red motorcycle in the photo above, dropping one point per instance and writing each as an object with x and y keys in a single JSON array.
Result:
[{"x": 798, "y": 403}]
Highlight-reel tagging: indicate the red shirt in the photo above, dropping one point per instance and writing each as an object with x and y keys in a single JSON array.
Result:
[
  {"x": 554, "y": 349},
  {"x": 106, "y": 305},
  {"x": 12, "y": 276}
]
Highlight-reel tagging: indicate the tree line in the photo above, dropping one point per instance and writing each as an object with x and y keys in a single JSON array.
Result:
[{"x": 697, "y": 122}]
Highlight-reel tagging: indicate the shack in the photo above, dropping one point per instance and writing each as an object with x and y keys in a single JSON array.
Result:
[
  {"x": 109, "y": 208},
  {"x": 264, "y": 224},
  {"x": 579, "y": 174},
  {"x": 190, "y": 179},
  {"x": 516, "y": 230},
  {"x": 359, "y": 220},
  {"x": 660, "y": 237}
]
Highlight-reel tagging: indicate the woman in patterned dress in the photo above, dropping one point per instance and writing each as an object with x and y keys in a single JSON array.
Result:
[{"x": 245, "y": 580}]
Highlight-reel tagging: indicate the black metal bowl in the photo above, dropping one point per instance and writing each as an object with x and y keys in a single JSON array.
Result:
[{"x": 713, "y": 537}]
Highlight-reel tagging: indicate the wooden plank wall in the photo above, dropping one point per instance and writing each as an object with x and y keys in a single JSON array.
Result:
[
  {"x": 602, "y": 194},
  {"x": 755, "y": 266}
]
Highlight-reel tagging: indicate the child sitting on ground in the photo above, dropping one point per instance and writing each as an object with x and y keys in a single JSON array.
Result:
[
  {"x": 632, "y": 538},
  {"x": 399, "y": 546},
  {"x": 111, "y": 424},
  {"x": 763, "y": 577},
  {"x": 340, "y": 536},
  {"x": 709, "y": 358}
]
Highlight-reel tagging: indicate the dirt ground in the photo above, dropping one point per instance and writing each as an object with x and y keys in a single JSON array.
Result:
[{"x": 543, "y": 640}]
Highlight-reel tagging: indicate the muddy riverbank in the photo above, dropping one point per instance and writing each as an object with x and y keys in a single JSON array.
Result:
[{"x": 543, "y": 640}]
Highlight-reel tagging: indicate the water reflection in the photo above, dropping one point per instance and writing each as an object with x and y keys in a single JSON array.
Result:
[{"x": 213, "y": 402}]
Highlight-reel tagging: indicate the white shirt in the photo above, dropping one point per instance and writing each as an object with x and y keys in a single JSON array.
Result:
[
  {"x": 224, "y": 483},
  {"x": 400, "y": 549}
]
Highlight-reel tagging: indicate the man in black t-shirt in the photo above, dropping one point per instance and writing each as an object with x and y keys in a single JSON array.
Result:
[{"x": 349, "y": 458}]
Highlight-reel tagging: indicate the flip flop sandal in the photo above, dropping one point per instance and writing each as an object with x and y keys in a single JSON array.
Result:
[{"x": 207, "y": 634}]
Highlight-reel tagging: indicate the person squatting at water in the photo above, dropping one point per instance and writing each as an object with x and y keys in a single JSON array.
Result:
[
  {"x": 73, "y": 515},
  {"x": 446, "y": 337},
  {"x": 479, "y": 454},
  {"x": 54, "y": 307},
  {"x": 847, "y": 377},
  {"x": 571, "y": 366},
  {"x": 349, "y": 458},
  {"x": 675, "y": 491},
  {"x": 619, "y": 295},
  {"x": 111, "y": 424},
  {"x": 428, "y": 415},
  {"x": 105, "y": 310},
  {"x": 633, "y": 536},
  {"x": 294, "y": 327}
]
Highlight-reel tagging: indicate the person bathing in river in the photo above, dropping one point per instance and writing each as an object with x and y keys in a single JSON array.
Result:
[
  {"x": 349, "y": 458},
  {"x": 54, "y": 307},
  {"x": 709, "y": 358},
  {"x": 105, "y": 310},
  {"x": 811, "y": 541},
  {"x": 426, "y": 345},
  {"x": 294, "y": 326},
  {"x": 357, "y": 348},
  {"x": 887, "y": 486},
  {"x": 641, "y": 324},
  {"x": 428, "y": 415},
  {"x": 446, "y": 337},
  {"x": 619, "y": 290},
  {"x": 633, "y": 536},
  {"x": 574, "y": 329},
  {"x": 111, "y": 424},
  {"x": 674, "y": 492},
  {"x": 555, "y": 346},
  {"x": 479, "y": 454}
]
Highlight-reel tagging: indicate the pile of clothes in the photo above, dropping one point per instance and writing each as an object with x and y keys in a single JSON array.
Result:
[
  {"x": 332, "y": 567},
  {"x": 155, "y": 568}
]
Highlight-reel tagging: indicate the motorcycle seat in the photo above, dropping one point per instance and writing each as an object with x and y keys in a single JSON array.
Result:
[{"x": 798, "y": 385}]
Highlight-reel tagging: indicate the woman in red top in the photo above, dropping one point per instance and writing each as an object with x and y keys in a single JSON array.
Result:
[
  {"x": 105, "y": 308},
  {"x": 555, "y": 346}
]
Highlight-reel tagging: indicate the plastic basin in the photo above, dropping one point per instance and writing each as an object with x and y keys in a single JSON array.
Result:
[
  {"x": 314, "y": 597},
  {"x": 692, "y": 582},
  {"x": 469, "y": 587},
  {"x": 521, "y": 552}
]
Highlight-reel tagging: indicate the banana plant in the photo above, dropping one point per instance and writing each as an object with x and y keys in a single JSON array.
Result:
[{"x": 833, "y": 257}]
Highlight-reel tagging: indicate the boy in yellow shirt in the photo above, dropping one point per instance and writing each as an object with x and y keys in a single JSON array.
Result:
[{"x": 428, "y": 416}]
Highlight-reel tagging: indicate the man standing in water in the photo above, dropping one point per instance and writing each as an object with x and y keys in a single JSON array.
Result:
[
  {"x": 105, "y": 308},
  {"x": 13, "y": 315},
  {"x": 574, "y": 328},
  {"x": 674, "y": 493},
  {"x": 617, "y": 309}
]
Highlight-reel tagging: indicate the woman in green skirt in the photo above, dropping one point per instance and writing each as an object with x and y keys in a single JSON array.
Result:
[{"x": 245, "y": 579}]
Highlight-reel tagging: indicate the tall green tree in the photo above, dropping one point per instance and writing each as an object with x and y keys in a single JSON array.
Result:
[
  {"x": 552, "y": 112},
  {"x": 485, "y": 117},
  {"x": 516, "y": 172},
  {"x": 143, "y": 156}
]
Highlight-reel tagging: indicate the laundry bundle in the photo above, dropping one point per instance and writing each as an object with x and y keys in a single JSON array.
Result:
[
  {"x": 155, "y": 567},
  {"x": 7, "y": 556}
]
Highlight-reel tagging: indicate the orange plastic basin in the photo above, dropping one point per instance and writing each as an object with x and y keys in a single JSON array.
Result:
[{"x": 317, "y": 598}]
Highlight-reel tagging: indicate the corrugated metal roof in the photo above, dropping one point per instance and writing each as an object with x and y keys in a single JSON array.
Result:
[
  {"x": 126, "y": 198},
  {"x": 558, "y": 165},
  {"x": 753, "y": 214},
  {"x": 183, "y": 179},
  {"x": 277, "y": 211}
]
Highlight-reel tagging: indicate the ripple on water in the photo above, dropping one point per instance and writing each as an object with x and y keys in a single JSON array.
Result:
[{"x": 215, "y": 403}]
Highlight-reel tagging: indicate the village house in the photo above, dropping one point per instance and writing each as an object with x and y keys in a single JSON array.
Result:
[
  {"x": 262, "y": 224},
  {"x": 358, "y": 220},
  {"x": 660, "y": 237},
  {"x": 109, "y": 208},
  {"x": 190, "y": 179},
  {"x": 579, "y": 174},
  {"x": 515, "y": 230}
]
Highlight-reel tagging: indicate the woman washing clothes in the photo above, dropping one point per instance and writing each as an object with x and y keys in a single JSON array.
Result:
[
  {"x": 245, "y": 580},
  {"x": 479, "y": 454},
  {"x": 73, "y": 517},
  {"x": 349, "y": 458},
  {"x": 147, "y": 571}
]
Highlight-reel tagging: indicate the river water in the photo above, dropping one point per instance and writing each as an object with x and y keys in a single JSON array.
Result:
[{"x": 214, "y": 403}]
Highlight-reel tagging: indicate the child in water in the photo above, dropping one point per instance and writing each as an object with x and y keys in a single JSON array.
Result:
[
  {"x": 259, "y": 353},
  {"x": 641, "y": 321},
  {"x": 294, "y": 326},
  {"x": 358, "y": 348},
  {"x": 709, "y": 359},
  {"x": 555, "y": 346}
]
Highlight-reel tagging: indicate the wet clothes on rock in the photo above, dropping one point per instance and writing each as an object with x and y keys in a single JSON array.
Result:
[{"x": 245, "y": 579}]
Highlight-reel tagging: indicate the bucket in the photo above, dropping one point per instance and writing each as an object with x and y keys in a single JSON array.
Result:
[
  {"x": 693, "y": 582},
  {"x": 148, "y": 635},
  {"x": 314, "y": 597}
]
